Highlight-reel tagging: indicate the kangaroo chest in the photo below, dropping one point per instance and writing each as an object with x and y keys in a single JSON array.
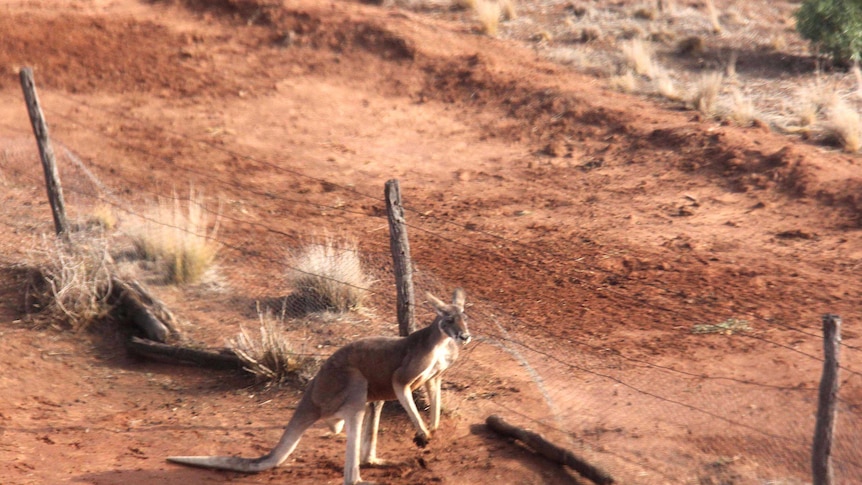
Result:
[{"x": 441, "y": 358}]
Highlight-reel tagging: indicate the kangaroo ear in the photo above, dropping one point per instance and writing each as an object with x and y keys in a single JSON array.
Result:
[
  {"x": 438, "y": 305},
  {"x": 458, "y": 298}
]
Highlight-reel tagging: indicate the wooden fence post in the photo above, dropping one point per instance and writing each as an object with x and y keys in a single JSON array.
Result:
[
  {"x": 46, "y": 152},
  {"x": 821, "y": 458},
  {"x": 400, "y": 247}
]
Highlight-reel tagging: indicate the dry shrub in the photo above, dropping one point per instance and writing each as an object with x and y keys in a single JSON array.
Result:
[
  {"x": 844, "y": 125},
  {"x": 270, "y": 356},
  {"x": 692, "y": 45},
  {"x": 329, "y": 276},
  {"x": 625, "y": 82},
  {"x": 740, "y": 110},
  {"x": 74, "y": 282},
  {"x": 665, "y": 86},
  {"x": 638, "y": 56},
  {"x": 704, "y": 95},
  {"x": 645, "y": 13},
  {"x": 730, "y": 68},
  {"x": 508, "y": 9},
  {"x": 180, "y": 235},
  {"x": 103, "y": 216},
  {"x": 712, "y": 14},
  {"x": 812, "y": 101},
  {"x": 488, "y": 13},
  {"x": 589, "y": 33}
]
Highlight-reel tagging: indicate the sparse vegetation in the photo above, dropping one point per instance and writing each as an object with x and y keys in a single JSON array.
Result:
[
  {"x": 102, "y": 216},
  {"x": 179, "y": 235},
  {"x": 834, "y": 27},
  {"x": 270, "y": 356},
  {"x": 329, "y": 275},
  {"x": 638, "y": 55},
  {"x": 740, "y": 110},
  {"x": 508, "y": 9},
  {"x": 704, "y": 95},
  {"x": 665, "y": 86},
  {"x": 844, "y": 125},
  {"x": 488, "y": 13},
  {"x": 625, "y": 82},
  {"x": 712, "y": 14},
  {"x": 645, "y": 13},
  {"x": 727, "y": 327},
  {"x": 74, "y": 279}
]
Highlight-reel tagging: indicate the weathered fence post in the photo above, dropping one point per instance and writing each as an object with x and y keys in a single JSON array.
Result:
[
  {"x": 400, "y": 247},
  {"x": 821, "y": 458},
  {"x": 46, "y": 152}
]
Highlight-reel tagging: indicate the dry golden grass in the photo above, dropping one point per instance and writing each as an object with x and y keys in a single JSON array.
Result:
[
  {"x": 488, "y": 12},
  {"x": 638, "y": 56},
  {"x": 74, "y": 279},
  {"x": 740, "y": 110},
  {"x": 812, "y": 101},
  {"x": 270, "y": 357},
  {"x": 625, "y": 82},
  {"x": 509, "y": 11},
  {"x": 730, "y": 68},
  {"x": 665, "y": 86},
  {"x": 844, "y": 125},
  {"x": 645, "y": 12},
  {"x": 178, "y": 234},
  {"x": 329, "y": 276},
  {"x": 704, "y": 93},
  {"x": 712, "y": 15},
  {"x": 103, "y": 216}
]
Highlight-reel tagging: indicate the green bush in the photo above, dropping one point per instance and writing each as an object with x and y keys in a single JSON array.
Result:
[{"x": 833, "y": 26}]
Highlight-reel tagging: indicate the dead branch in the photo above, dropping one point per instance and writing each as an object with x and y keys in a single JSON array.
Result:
[
  {"x": 143, "y": 310},
  {"x": 219, "y": 359},
  {"x": 549, "y": 450}
]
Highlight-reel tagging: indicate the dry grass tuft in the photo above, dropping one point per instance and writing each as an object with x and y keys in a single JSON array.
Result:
[
  {"x": 712, "y": 14},
  {"x": 704, "y": 95},
  {"x": 103, "y": 216},
  {"x": 271, "y": 357},
  {"x": 638, "y": 56},
  {"x": 844, "y": 125},
  {"x": 741, "y": 110},
  {"x": 180, "y": 235},
  {"x": 730, "y": 68},
  {"x": 509, "y": 11},
  {"x": 625, "y": 82},
  {"x": 589, "y": 33},
  {"x": 488, "y": 12},
  {"x": 74, "y": 282},
  {"x": 329, "y": 276},
  {"x": 665, "y": 86},
  {"x": 645, "y": 13},
  {"x": 812, "y": 101},
  {"x": 692, "y": 45}
]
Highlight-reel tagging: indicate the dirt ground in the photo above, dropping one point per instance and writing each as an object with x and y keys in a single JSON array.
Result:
[{"x": 596, "y": 234}]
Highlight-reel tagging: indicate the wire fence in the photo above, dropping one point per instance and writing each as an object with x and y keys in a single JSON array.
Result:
[{"x": 645, "y": 418}]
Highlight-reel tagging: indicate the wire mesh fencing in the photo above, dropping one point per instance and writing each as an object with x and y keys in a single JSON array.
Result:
[{"x": 643, "y": 415}]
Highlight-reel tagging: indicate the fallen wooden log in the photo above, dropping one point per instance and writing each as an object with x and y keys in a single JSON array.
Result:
[
  {"x": 549, "y": 450},
  {"x": 143, "y": 310},
  {"x": 219, "y": 359}
]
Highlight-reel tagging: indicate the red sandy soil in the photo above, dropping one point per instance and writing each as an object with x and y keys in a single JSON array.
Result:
[{"x": 595, "y": 227}]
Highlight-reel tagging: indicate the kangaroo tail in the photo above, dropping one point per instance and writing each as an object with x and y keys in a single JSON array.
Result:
[
  {"x": 305, "y": 415},
  {"x": 232, "y": 463}
]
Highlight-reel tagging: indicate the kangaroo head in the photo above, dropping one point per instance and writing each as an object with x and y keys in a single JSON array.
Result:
[{"x": 451, "y": 318}]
